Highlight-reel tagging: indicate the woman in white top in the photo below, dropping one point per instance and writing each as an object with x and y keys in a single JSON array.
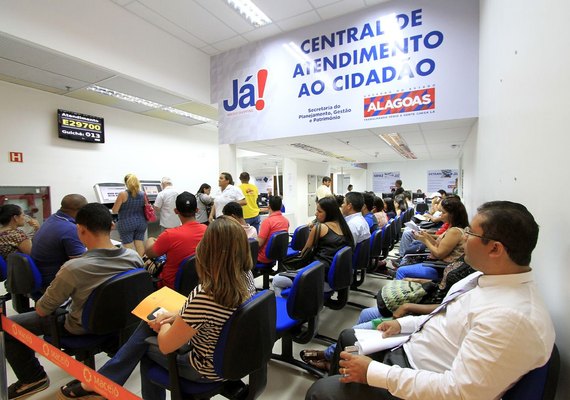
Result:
[{"x": 228, "y": 192}]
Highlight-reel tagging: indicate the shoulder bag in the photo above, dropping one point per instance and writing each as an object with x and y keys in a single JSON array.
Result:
[{"x": 149, "y": 213}]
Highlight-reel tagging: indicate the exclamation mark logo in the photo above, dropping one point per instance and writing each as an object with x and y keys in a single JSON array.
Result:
[{"x": 261, "y": 80}]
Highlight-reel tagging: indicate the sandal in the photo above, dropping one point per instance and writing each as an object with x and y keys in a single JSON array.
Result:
[
  {"x": 323, "y": 365},
  {"x": 73, "y": 390},
  {"x": 310, "y": 355}
]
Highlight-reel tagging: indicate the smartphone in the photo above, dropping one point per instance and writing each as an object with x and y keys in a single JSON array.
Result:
[
  {"x": 351, "y": 349},
  {"x": 155, "y": 313}
]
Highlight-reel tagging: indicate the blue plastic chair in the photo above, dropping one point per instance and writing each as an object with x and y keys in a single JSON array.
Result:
[
  {"x": 106, "y": 316},
  {"x": 243, "y": 349},
  {"x": 276, "y": 251},
  {"x": 297, "y": 315},
  {"x": 298, "y": 240}
]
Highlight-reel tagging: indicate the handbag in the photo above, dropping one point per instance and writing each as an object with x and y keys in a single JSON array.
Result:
[
  {"x": 306, "y": 257},
  {"x": 395, "y": 293},
  {"x": 149, "y": 213}
]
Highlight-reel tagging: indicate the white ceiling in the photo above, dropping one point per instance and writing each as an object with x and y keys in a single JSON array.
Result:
[{"x": 213, "y": 27}]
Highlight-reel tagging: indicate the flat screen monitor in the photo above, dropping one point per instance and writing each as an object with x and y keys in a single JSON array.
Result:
[
  {"x": 107, "y": 193},
  {"x": 151, "y": 189},
  {"x": 387, "y": 194},
  {"x": 80, "y": 127}
]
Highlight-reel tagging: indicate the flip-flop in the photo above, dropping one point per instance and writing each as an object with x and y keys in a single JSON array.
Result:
[
  {"x": 310, "y": 355},
  {"x": 73, "y": 390}
]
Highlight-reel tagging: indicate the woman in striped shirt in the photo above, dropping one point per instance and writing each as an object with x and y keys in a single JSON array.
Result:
[{"x": 224, "y": 264}]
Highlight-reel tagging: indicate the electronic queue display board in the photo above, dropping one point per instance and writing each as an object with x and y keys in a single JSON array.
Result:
[{"x": 80, "y": 127}]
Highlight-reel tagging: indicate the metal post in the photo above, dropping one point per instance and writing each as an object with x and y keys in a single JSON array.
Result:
[{"x": 3, "y": 370}]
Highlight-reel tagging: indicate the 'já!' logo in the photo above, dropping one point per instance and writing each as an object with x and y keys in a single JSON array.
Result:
[{"x": 244, "y": 96}]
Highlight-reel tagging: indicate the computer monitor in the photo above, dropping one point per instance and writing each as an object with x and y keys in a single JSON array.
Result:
[
  {"x": 107, "y": 193},
  {"x": 387, "y": 194},
  {"x": 151, "y": 189}
]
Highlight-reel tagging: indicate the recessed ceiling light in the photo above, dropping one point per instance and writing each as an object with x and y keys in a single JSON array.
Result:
[
  {"x": 146, "y": 103},
  {"x": 396, "y": 142},
  {"x": 250, "y": 12}
]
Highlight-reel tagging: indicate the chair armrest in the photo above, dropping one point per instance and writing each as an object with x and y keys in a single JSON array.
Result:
[{"x": 56, "y": 326}]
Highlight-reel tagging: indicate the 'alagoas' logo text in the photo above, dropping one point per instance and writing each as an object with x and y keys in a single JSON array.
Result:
[
  {"x": 396, "y": 103},
  {"x": 249, "y": 94}
]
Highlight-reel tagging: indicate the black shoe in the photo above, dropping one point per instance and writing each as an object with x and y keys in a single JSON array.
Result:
[{"x": 20, "y": 389}]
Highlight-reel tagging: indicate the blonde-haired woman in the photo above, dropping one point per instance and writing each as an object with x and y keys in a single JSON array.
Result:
[
  {"x": 132, "y": 222},
  {"x": 223, "y": 263}
]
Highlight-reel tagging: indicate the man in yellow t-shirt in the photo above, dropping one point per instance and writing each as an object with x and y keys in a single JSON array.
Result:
[{"x": 250, "y": 209}]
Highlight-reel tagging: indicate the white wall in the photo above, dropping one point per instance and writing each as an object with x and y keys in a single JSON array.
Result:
[
  {"x": 300, "y": 186},
  {"x": 520, "y": 150},
  {"x": 412, "y": 173},
  {"x": 148, "y": 147},
  {"x": 85, "y": 29}
]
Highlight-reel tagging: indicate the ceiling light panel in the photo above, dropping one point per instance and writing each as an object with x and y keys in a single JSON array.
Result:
[{"x": 250, "y": 12}]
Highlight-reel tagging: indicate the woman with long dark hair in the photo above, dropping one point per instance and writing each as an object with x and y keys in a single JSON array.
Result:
[
  {"x": 13, "y": 239},
  {"x": 448, "y": 247},
  {"x": 334, "y": 234},
  {"x": 205, "y": 203}
]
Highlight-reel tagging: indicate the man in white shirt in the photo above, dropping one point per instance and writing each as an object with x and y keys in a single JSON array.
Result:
[
  {"x": 480, "y": 343},
  {"x": 165, "y": 204},
  {"x": 325, "y": 189},
  {"x": 351, "y": 209}
]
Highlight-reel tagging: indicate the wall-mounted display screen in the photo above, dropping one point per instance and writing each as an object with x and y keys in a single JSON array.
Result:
[{"x": 81, "y": 127}]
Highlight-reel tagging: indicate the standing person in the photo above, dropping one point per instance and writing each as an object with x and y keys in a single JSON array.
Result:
[
  {"x": 132, "y": 222},
  {"x": 275, "y": 222},
  {"x": 227, "y": 192},
  {"x": 223, "y": 264},
  {"x": 165, "y": 204},
  {"x": 76, "y": 279},
  {"x": 351, "y": 209},
  {"x": 57, "y": 241},
  {"x": 398, "y": 189},
  {"x": 205, "y": 203},
  {"x": 177, "y": 243},
  {"x": 493, "y": 329},
  {"x": 325, "y": 189},
  {"x": 250, "y": 209},
  {"x": 13, "y": 239},
  {"x": 349, "y": 188}
]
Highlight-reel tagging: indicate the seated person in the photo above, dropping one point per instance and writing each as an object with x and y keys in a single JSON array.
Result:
[
  {"x": 435, "y": 292},
  {"x": 275, "y": 222},
  {"x": 390, "y": 208},
  {"x": 233, "y": 209},
  {"x": 484, "y": 312},
  {"x": 223, "y": 264},
  {"x": 56, "y": 241},
  {"x": 13, "y": 239},
  {"x": 379, "y": 213},
  {"x": 334, "y": 234},
  {"x": 447, "y": 248},
  {"x": 367, "y": 211},
  {"x": 77, "y": 278},
  {"x": 352, "y": 210},
  {"x": 177, "y": 243}
]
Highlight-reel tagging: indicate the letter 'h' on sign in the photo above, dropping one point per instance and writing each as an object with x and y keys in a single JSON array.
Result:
[{"x": 16, "y": 157}]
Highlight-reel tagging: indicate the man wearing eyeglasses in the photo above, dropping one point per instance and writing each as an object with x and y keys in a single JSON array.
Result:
[{"x": 491, "y": 330}]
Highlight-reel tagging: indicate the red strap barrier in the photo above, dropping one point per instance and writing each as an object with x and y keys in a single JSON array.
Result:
[{"x": 102, "y": 385}]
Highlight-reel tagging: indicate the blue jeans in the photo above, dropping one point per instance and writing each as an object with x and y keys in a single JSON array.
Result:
[
  {"x": 408, "y": 245},
  {"x": 119, "y": 368},
  {"x": 254, "y": 221},
  {"x": 417, "y": 271},
  {"x": 21, "y": 358},
  {"x": 364, "y": 322}
]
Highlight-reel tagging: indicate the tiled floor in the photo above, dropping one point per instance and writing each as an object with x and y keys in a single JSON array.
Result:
[{"x": 284, "y": 381}]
